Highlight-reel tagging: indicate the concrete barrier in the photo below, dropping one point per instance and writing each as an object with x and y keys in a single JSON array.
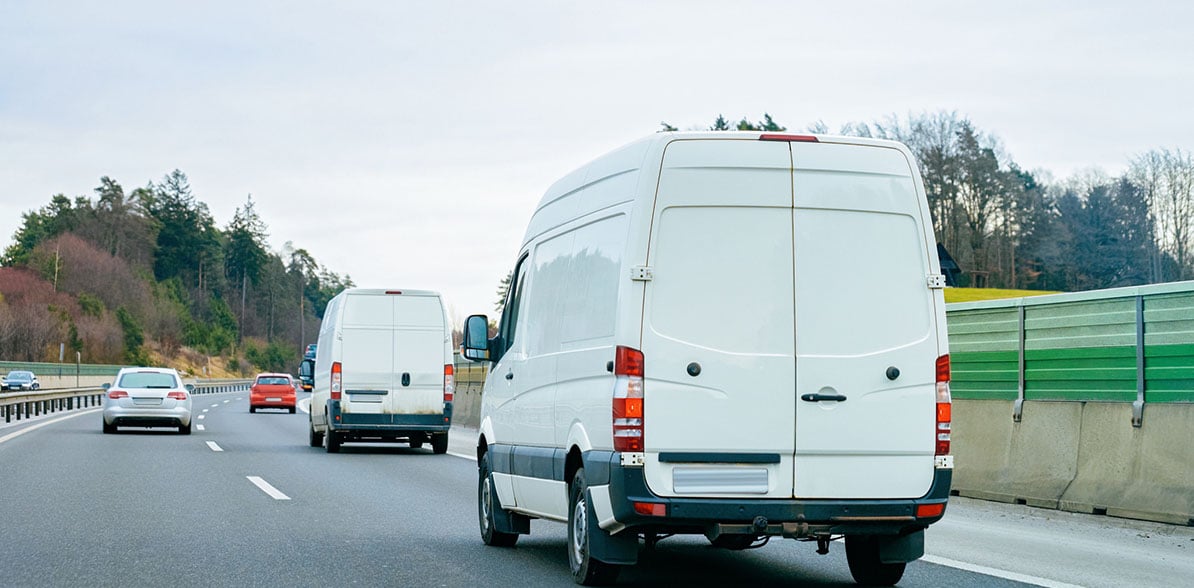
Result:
[{"x": 1077, "y": 456}]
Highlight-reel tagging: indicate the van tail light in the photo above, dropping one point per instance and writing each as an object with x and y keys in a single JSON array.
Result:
[
  {"x": 336, "y": 379},
  {"x": 944, "y": 405},
  {"x": 177, "y": 395},
  {"x": 114, "y": 394},
  {"x": 449, "y": 383},
  {"x": 628, "y": 399}
]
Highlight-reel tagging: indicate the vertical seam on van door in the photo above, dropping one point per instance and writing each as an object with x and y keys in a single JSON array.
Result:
[
  {"x": 795, "y": 368},
  {"x": 642, "y": 311}
]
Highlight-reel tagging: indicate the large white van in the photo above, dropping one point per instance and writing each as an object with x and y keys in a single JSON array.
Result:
[
  {"x": 734, "y": 334},
  {"x": 384, "y": 370}
]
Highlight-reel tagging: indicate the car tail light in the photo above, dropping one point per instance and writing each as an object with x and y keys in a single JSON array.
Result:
[
  {"x": 114, "y": 394},
  {"x": 336, "y": 379},
  {"x": 628, "y": 399},
  {"x": 449, "y": 383},
  {"x": 944, "y": 405},
  {"x": 177, "y": 395}
]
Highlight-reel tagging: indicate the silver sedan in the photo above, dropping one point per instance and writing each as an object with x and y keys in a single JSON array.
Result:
[{"x": 148, "y": 397}]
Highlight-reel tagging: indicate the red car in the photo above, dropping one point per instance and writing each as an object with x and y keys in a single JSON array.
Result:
[{"x": 272, "y": 391}]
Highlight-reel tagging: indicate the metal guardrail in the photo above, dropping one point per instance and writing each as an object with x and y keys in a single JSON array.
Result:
[
  {"x": 43, "y": 369},
  {"x": 23, "y": 405}
]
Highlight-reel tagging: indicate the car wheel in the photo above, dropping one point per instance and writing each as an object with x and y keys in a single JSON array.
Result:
[
  {"x": 314, "y": 438},
  {"x": 252, "y": 409},
  {"x": 862, "y": 554},
  {"x": 586, "y": 570},
  {"x": 109, "y": 429},
  {"x": 36, "y": 386},
  {"x": 487, "y": 504},
  {"x": 332, "y": 441},
  {"x": 185, "y": 429},
  {"x": 439, "y": 443},
  {"x": 292, "y": 410}
]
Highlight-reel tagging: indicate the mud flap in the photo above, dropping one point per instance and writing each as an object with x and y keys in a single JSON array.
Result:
[
  {"x": 902, "y": 548},
  {"x": 621, "y": 549},
  {"x": 505, "y": 521}
]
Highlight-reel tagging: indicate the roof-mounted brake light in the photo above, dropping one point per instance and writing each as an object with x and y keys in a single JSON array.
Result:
[{"x": 786, "y": 137}]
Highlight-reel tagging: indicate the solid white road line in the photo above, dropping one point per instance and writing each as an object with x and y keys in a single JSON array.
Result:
[
  {"x": 44, "y": 423},
  {"x": 213, "y": 446},
  {"x": 267, "y": 488},
  {"x": 305, "y": 405},
  {"x": 463, "y": 456},
  {"x": 1013, "y": 576},
  {"x": 200, "y": 427}
]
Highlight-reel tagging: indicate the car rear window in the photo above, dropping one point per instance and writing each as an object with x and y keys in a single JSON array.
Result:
[
  {"x": 148, "y": 380},
  {"x": 273, "y": 380}
]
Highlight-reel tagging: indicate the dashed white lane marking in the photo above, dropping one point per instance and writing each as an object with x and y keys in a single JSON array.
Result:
[
  {"x": 267, "y": 488},
  {"x": 201, "y": 416},
  {"x": 217, "y": 404},
  {"x": 206, "y": 409},
  {"x": 200, "y": 427},
  {"x": 305, "y": 405},
  {"x": 961, "y": 565},
  {"x": 225, "y": 402},
  {"x": 214, "y": 447},
  {"x": 16, "y": 434}
]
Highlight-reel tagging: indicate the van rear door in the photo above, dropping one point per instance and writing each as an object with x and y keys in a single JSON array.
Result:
[
  {"x": 865, "y": 327},
  {"x": 717, "y": 328},
  {"x": 367, "y": 356},
  {"x": 418, "y": 356}
]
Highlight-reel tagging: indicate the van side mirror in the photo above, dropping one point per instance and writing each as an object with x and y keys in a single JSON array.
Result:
[{"x": 476, "y": 338}]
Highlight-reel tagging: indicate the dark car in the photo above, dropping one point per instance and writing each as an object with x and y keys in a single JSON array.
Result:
[{"x": 20, "y": 380}]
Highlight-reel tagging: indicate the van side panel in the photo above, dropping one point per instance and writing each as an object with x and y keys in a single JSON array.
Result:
[{"x": 862, "y": 307}]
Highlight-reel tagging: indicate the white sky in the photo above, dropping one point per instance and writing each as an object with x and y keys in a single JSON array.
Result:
[{"x": 406, "y": 143}]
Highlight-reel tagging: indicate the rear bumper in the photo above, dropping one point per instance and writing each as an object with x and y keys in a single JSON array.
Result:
[
  {"x": 380, "y": 424},
  {"x": 147, "y": 417},
  {"x": 790, "y": 518},
  {"x": 262, "y": 402}
]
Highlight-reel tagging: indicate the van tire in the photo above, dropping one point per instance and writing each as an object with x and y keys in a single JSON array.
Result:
[
  {"x": 487, "y": 504},
  {"x": 586, "y": 570},
  {"x": 333, "y": 441},
  {"x": 439, "y": 443},
  {"x": 862, "y": 554},
  {"x": 313, "y": 438}
]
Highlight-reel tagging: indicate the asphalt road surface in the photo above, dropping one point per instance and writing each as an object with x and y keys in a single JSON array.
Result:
[{"x": 244, "y": 501}]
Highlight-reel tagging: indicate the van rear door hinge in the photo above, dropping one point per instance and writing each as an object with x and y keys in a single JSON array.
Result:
[
  {"x": 641, "y": 273},
  {"x": 935, "y": 281}
]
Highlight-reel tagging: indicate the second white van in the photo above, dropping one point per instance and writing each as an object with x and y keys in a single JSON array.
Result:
[
  {"x": 383, "y": 371},
  {"x": 733, "y": 334}
]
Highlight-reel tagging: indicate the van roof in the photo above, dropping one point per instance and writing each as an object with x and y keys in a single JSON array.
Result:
[{"x": 631, "y": 158}]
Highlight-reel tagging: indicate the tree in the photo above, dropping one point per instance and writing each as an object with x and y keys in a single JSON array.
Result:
[
  {"x": 188, "y": 244},
  {"x": 502, "y": 290},
  {"x": 720, "y": 124},
  {"x": 666, "y": 128}
]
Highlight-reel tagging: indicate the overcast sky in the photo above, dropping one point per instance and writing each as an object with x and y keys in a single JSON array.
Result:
[{"x": 406, "y": 144}]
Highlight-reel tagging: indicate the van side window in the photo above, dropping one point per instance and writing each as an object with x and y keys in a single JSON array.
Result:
[{"x": 508, "y": 330}]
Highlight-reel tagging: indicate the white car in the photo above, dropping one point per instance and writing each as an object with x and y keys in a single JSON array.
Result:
[
  {"x": 20, "y": 380},
  {"x": 148, "y": 397},
  {"x": 733, "y": 334}
]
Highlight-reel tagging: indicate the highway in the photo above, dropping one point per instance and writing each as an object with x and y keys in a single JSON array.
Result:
[{"x": 243, "y": 501}]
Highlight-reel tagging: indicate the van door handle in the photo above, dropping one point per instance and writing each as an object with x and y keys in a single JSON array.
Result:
[
  {"x": 405, "y": 378},
  {"x": 821, "y": 397},
  {"x": 509, "y": 375}
]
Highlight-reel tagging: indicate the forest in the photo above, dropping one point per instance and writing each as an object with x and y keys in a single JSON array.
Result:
[{"x": 146, "y": 277}]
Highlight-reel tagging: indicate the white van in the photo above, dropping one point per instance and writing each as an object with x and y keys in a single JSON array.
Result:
[
  {"x": 734, "y": 334},
  {"x": 383, "y": 371}
]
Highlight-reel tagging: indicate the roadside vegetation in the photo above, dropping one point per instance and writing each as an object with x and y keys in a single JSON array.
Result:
[{"x": 147, "y": 278}]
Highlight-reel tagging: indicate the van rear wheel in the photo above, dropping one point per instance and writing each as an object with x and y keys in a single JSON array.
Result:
[
  {"x": 487, "y": 505},
  {"x": 586, "y": 570},
  {"x": 313, "y": 438},
  {"x": 439, "y": 442},
  {"x": 333, "y": 441},
  {"x": 862, "y": 553}
]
